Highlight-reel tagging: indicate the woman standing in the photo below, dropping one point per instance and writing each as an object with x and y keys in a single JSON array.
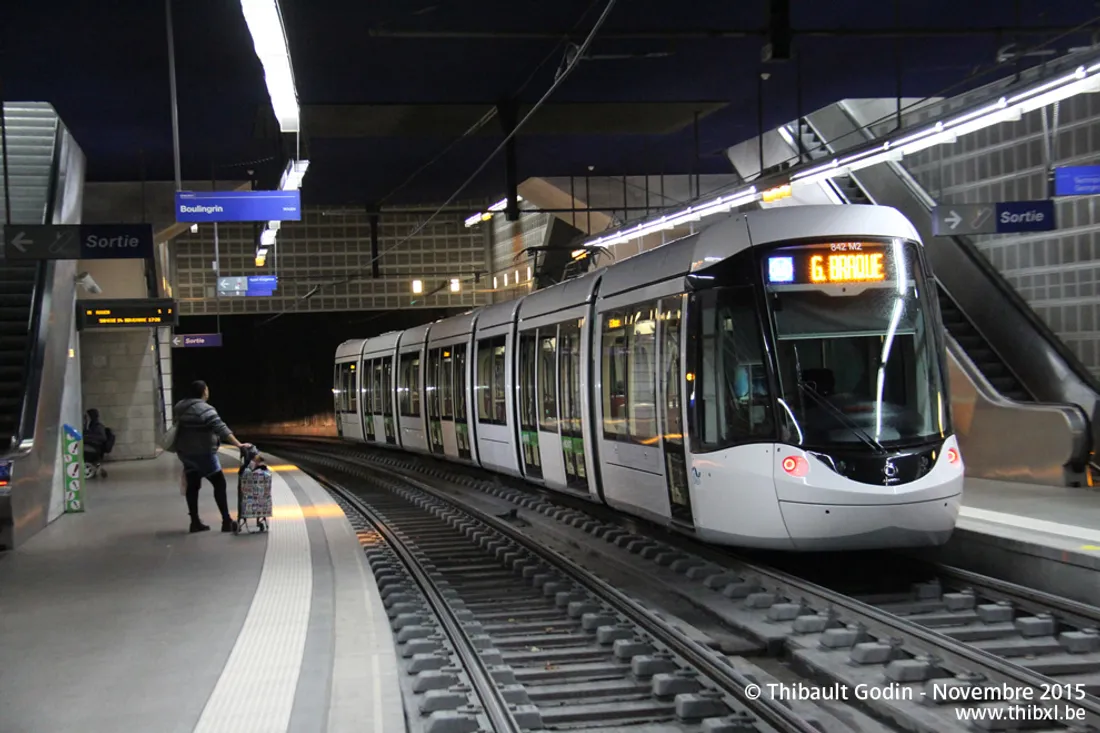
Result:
[{"x": 199, "y": 433}]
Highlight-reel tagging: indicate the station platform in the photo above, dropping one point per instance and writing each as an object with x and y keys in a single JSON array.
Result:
[
  {"x": 1042, "y": 537},
  {"x": 119, "y": 619}
]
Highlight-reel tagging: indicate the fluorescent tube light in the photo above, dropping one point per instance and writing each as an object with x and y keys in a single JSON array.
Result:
[
  {"x": 265, "y": 23},
  {"x": 1006, "y": 109},
  {"x": 293, "y": 175},
  {"x": 503, "y": 204}
]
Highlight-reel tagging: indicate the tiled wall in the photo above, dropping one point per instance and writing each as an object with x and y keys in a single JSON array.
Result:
[
  {"x": 119, "y": 375},
  {"x": 331, "y": 247},
  {"x": 1058, "y": 273}
]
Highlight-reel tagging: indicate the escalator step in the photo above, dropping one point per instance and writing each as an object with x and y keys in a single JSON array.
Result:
[
  {"x": 13, "y": 343},
  {"x": 994, "y": 370},
  {"x": 970, "y": 341}
]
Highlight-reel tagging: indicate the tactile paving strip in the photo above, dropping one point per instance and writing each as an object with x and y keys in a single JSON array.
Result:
[{"x": 256, "y": 689}]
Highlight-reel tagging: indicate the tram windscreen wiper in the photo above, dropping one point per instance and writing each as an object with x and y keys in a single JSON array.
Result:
[{"x": 844, "y": 420}]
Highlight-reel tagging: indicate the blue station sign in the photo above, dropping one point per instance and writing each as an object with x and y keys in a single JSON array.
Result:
[
  {"x": 1077, "y": 180},
  {"x": 1025, "y": 216},
  {"x": 223, "y": 206},
  {"x": 196, "y": 340},
  {"x": 252, "y": 285}
]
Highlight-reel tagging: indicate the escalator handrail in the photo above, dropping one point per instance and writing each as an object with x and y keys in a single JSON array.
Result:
[
  {"x": 23, "y": 440},
  {"x": 1077, "y": 420}
]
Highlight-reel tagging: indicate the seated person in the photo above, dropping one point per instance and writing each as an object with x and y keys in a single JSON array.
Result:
[
  {"x": 98, "y": 442},
  {"x": 95, "y": 436}
]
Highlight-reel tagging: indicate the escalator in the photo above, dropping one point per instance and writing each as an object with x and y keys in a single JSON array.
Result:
[
  {"x": 992, "y": 366},
  {"x": 45, "y": 172},
  {"x": 1021, "y": 381},
  {"x": 17, "y": 286},
  {"x": 813, "y": 148}
]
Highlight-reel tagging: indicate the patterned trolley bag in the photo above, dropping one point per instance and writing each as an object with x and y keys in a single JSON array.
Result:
[{"x": 253, "y": 492}]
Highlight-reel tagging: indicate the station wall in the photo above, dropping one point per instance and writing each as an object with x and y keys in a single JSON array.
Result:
[
  {"x": 119, "y": 375},
  {"x": 328, "y": 246}
]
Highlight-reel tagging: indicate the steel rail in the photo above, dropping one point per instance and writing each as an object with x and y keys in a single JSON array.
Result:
[{"x": 493, "y": 702}]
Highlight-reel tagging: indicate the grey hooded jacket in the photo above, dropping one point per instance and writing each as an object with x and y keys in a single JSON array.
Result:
[{"x": 199, "y": 428}]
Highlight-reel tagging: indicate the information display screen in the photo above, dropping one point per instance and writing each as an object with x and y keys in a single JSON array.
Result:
[
  {"x": 127, "y": 313},
  {"x": 837, "y": 263}
]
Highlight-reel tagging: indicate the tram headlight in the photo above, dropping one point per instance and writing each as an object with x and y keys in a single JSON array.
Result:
[{"x": 952, "y": 456}]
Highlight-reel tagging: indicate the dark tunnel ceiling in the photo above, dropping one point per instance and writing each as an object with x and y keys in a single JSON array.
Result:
[{"x": 385, "y": 85}]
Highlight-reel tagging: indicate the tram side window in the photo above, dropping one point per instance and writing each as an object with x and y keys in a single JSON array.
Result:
[
  {"x": 569, "y": 356},
  {"x": 337, "y": 376},
  {"x": 409, "y": 387},
  {"x": 345, "y": 382},
  {"x": 365, "y": 386},
  {"x": 548, "y": 396},
  {"x": 446, "y": 387},
  {"x": 629, "y": 373},
  {"x": 527, "y": 399},
  {"x": 432, "y": 383},
  {"x": 387, "y": 386},
  {"x": 730, "y": 393},
  {"x": 460, "y": 382},
  {"x": 490, "y": 383},
  {"x": 353, "y": 388},
  {"x": 380, "y": 386}
]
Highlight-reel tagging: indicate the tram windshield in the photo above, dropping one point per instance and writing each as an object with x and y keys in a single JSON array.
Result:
[{"x": 856, "y": 350}]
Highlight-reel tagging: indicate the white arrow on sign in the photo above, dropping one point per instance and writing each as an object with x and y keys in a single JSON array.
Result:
[
  {"x": 176, "y": 341},
  {"x": 954, "y": 220},
  {"x": 21, "y": 241}
]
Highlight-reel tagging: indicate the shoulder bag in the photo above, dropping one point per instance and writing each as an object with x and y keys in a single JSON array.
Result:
[{"x": 168, "y": 442}]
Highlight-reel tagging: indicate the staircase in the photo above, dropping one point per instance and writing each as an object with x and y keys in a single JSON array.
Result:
[
  {"x": 814, "y": 148},
  {"x": 980, "y": 352}
]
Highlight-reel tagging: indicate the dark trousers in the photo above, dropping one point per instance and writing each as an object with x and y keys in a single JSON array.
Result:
[{"x": 194, "y": 483}]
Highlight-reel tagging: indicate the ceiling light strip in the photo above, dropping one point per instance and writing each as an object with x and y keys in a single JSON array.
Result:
[
  {"x": 1085, "y": 78},
  {"x": 265, "y": 23}
]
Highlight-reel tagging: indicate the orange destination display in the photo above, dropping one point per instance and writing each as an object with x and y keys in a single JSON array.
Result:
[
  {"x": 847, "y": 268},
  {"x": 837, "y": 263},
  {"x": 136, "y": 313}
]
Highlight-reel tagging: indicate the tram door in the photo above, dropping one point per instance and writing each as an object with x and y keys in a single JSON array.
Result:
[
  {"x": 368, "y": 401},
  {"x": 528, "y": 406},
  {"x": 672, "y": 413},
  {"x": 387, "y": 400},
  {"x": 434, "y": 384},
  {"x": 462, "y": 428}
]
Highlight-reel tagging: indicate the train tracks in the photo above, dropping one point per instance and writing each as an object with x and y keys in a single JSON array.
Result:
[
  {"x": 503, "y": 636},
  {"x": 960, "y": 651}
]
